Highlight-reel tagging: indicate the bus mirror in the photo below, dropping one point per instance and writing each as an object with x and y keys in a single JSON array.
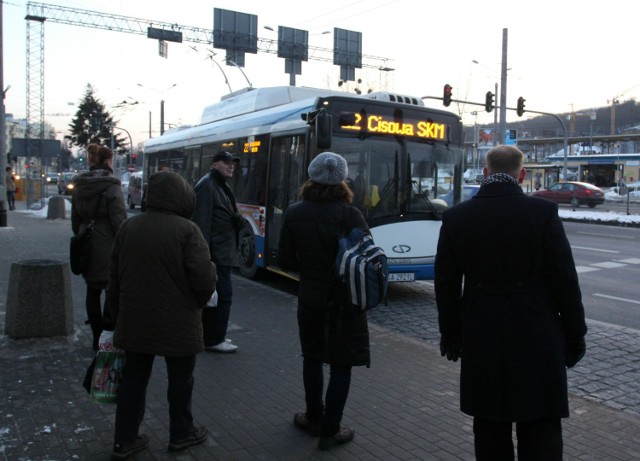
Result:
[{"x": 324, "y": 128}]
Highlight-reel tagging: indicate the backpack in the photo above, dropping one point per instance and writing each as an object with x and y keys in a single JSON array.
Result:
[{"x": 362, "y": 267}]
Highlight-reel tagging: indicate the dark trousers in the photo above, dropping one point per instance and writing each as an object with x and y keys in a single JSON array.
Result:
[
  {"x": 539, "y": 440},
  {"x": 11, "y": 200},
  {"x": 133, "y": 392},
  {"x": 216, "y": 319},
  {"x": 330, "y": 413},
  {"x": 96, "y": 311}
]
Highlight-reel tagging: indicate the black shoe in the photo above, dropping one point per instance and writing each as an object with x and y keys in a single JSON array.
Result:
[
  {"x": 301, "y": 421},
  {"x": 344, "y": 435},
  {"x": 124, "y": 451},
  {"x": 198, "y": 435}
]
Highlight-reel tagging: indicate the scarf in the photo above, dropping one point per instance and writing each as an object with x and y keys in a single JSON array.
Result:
[{"x": 499, "y": 177}]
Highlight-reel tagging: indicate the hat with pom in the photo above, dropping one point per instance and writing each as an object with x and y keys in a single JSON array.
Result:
[{"x": 328, "y": 168}]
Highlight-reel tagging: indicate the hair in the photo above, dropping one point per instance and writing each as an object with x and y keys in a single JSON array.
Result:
[
  {"x": 316, "y": 192},
  {"x": 97, "y": 155},
  {"x": 7, "y": 169},
  {"x": 505, "y": 159}
]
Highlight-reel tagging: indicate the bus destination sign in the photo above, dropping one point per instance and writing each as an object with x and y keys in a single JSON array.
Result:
[{"x": 380, "y": 124}]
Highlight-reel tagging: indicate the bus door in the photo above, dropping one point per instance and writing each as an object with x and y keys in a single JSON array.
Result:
[{"x": 286, "y": 174}]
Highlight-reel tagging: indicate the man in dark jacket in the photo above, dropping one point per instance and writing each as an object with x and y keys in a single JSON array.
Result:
[
  {"x": 217, "y": 216},
  {"x": 161, "y": 276},
  {"x": 517, "y": 320},
  {"x": 331, "y": 330}
]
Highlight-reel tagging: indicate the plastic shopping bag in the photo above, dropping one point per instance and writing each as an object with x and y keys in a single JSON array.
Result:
[
  {"x": 213, "y": 302},
  {"x": 107, "y": 373}
]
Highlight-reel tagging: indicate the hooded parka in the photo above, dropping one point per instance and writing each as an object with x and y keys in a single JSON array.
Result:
[
  {"x": 111, "y": 213},
  {"x": 161, "y": 274},
  {"x": 330, "y": 330},
  {"x": 520, "y": 304}
]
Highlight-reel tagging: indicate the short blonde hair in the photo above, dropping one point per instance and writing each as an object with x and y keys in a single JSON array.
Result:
[{"x": 505, "y": 159}]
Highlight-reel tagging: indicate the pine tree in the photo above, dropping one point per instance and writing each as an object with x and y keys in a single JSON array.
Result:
[{"x": 92, "y": 123}]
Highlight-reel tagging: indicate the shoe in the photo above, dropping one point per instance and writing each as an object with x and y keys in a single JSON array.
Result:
[
  {"x": 301, "y": 421},
  {"x": 344, "y": 435},
  {"x": 224, "y": 346},
  {"x": 124, "y": 451},
  {"x": 196, "y": 437}
]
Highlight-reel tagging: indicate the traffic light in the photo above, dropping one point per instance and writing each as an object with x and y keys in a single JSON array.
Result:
[
  {"x": 520, "y": 108},
  {"x": 488, "y": 102},
  {"x": 133, "y": 159},
  {"x": 446, "y": 97}
]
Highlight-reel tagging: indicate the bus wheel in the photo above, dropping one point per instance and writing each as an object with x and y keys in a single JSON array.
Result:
[{"x": 247, "y": 253}]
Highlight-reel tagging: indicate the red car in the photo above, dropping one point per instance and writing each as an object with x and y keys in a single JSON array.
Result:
[{"x": 574, "y": 193}]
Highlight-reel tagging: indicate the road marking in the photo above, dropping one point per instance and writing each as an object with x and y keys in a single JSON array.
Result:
[
  {"x": 582, "y": 269},
  {"x": 606, "y": 235},
  {"x": 630, "y": 261},
  {"x": 608, "y": 265},
  {"x": 615, "y": 298},
  {"x": 594, "y": 249}
]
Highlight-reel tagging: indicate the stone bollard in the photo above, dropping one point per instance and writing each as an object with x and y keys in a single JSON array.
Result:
[
  {"x": 57, "y": 209},
  {"x": 39, "y": 303}
]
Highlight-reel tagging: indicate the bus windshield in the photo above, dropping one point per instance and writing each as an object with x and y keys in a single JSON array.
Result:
[{"x": 391, "y": 178}]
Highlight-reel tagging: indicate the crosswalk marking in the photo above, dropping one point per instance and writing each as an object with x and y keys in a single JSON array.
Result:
[
  {"x": 616, "y": 298},
  {"x": 583, "y": 269},
  {"x": 608, "y": 265},
  {"x": 630, "y": 261}
]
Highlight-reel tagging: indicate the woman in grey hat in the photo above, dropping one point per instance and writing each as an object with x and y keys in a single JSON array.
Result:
[{"x": 331, "y": 331}]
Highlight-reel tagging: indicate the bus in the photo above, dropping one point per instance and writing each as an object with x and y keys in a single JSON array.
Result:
[{"x": 401, "y": 157}]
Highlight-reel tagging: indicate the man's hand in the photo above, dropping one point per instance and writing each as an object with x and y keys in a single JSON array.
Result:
[
  {"x": 450, "y": 347},
  {"x": 574, "y": 351}
]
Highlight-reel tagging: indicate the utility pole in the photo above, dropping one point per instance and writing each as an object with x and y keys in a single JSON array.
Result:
[
  {"x": 3, "y": 133},
  {"x": 503, "y": 87}
]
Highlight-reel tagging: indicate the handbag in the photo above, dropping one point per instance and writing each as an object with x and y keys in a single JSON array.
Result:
[
  {"x": 80, "y": 245},
  {"x": 108, "y": 370}
]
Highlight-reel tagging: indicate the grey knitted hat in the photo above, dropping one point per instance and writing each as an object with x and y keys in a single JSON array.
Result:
[{"x": 328, "y": 168}]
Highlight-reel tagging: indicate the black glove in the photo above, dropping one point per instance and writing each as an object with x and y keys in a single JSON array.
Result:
[
  {"x": 450, "y": 347},
  {"x": 574, "y": 351}
]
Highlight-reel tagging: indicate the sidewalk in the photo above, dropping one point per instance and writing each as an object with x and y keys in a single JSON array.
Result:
[{"x": 405, "y": 407}]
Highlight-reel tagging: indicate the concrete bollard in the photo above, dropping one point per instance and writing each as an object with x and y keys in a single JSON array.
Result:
[
  {"x": 39, "y": 302},
  {"x": 57, "y": 209}
]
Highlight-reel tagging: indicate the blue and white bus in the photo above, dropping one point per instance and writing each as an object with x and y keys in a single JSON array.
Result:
[{"x": 401, "y": 155}]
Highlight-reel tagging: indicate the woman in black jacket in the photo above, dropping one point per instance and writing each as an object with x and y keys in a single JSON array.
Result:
[{"x": 331, "y": 330}]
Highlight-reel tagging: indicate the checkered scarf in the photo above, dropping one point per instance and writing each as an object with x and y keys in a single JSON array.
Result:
[{"x": 498, "y": 177}]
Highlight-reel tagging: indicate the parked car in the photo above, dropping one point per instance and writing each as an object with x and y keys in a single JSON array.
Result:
[
  {"x": 468, "y": 191},
  {"x": 574, "y": 193},
  {"x": 134, "y": 190},
  {"x": 65, "y": 182}
]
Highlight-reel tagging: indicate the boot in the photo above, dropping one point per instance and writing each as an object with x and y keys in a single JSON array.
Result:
[{"x": 332, "y": 435}]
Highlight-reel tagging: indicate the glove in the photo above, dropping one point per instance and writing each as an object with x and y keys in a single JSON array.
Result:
[
  {"x": 574, "y": 351},
  {"x": 450, "y": 347}
]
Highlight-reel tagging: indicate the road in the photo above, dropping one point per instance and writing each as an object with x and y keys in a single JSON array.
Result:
[{"x": 608, "y": 263}]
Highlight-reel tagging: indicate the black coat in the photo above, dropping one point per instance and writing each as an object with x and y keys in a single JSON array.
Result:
[
  {"x": 521, "y": 302},
  {"x": 330, "y": 330},
  {"x": 216, "y": 215}
]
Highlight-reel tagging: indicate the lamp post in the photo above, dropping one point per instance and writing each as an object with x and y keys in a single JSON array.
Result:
[{"x": 162, "y": 92}]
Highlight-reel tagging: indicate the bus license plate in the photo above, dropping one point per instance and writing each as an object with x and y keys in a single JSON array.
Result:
[{"x": 402, "y": 277}]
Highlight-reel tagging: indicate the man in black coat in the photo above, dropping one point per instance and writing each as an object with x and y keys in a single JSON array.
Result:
[
  {"x": 510, "y": 307},
  {"x": 217, "y": 217}
]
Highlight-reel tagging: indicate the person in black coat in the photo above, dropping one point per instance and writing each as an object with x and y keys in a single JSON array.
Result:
[
  {"x": 510, "y": 307},
  {"x": 331, "y": 330}
]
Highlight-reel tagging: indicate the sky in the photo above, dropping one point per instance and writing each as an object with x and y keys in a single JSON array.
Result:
[{"x": 562, "y": 56}]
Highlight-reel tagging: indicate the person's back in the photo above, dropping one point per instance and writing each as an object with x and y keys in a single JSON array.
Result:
[{"x": 509, "y": 305}]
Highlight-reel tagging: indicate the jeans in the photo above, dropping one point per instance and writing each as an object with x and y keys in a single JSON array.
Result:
[
  {"x": 337, "y": 391},
  {"x": 11, "y": 200},
  {"x": 539, "y": 440},
  {"x": 133, "y": 391},
  {"x": 216, "y": 319}
]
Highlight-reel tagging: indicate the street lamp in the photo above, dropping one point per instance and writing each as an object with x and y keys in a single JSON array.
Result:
[{"x": 162, "y": 92}]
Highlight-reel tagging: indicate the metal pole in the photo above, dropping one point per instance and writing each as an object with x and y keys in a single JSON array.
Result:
[
  {"x": 150, "y": 125},
  {"x": 3, "y": 134},
  {"x": 503, "y": 87},
  {"x": 161, "y": 117}
]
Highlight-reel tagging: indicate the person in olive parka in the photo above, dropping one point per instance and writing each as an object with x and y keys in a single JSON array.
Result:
[{"x": 161, "y": 276}]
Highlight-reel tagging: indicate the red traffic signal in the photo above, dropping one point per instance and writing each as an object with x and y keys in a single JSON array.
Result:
[{"x": 446, "y": 97}]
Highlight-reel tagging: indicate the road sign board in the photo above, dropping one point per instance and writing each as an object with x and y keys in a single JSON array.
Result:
[{"x": 131, "y": 168}]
